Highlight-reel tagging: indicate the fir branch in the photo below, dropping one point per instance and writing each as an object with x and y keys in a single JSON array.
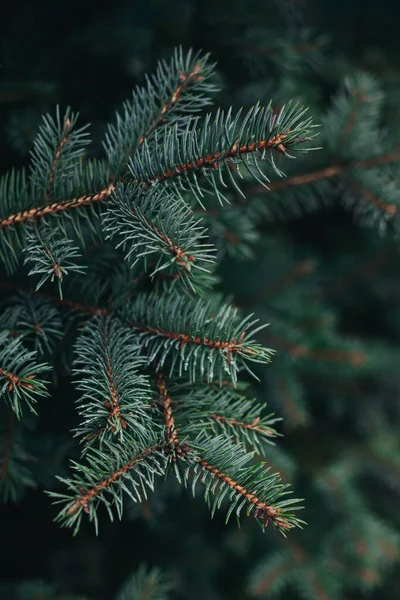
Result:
[
  {"x": 56, "y": 208},
  {"x": 108, "y": 474},
  {"x": 385, "y": 207},
  {"x": 19, "y": 374},
  {"x": 166, "y": 327},
  {"x": 327, "y": 173},
  {"x": 253, "y": 427},
  {"x": 224, "y": 468},
  {"x": 352, "y": 356},
  {"x": 223, "y": 411},
  {"x": 61, "y": 302},
  {"x": 159, "y": 229},
  {"x": 115, "y": 397},
  {"x": 57, "y": 148},
  {"x": 52, "y": 255},
  {"x": 36, "y": 320},
  {"x": 176, "y": 91},
  {"x": 211, "y": 148}
]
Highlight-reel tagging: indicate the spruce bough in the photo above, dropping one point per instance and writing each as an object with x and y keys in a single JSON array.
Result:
[{"x": 125, "y": 273}]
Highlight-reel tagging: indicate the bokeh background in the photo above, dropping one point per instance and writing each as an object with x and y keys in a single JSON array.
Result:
[{"x": 89, "y": 55}]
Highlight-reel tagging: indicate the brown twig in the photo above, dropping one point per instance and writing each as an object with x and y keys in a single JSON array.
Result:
[
  {"x": 113, "y": 407},
  {"x": 231, "y": 347},
  {"x": 326, "y": 173},
  {"x": 211, "y": 160},
  {"x": 171, "y": 433},
  {"x": 253, "y": 426},
  {"x": 389, "y": 209}
]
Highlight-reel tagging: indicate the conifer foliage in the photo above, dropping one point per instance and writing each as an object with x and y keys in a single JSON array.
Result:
[{"x": 123, "y": 298}]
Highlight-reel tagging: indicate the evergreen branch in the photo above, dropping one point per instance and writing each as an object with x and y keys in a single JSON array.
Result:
[
  {"x": 109, "y": 472},
  {"x": 350, "y": 126},
  {"x": 177, "y": 89},
  {"x": 222, "y": 411},
  {"x": 293, "y": 181},
  {"x": 159, "y": 229},
  {"x": 230, "y": 144},
  {"x": 224, "y": 468},
  {"x": 194, "y": 339},
  {"x": 18, "y": 374},
  {"x": 57, "y": 149},
  {"x": 93, "y": 311},
  {"x": 211, "y": 148},
  {"x": 64, "y": 303},
  {"x": 55, "y": 208},
  {"x": 36, "y": 321},
  {"x": 115, "y": 399},
  {"x": 354, "y": 357},
  {"x": 329, "y": 172},
  {"x": 52, "y": 255},
  {"x": 388, "y": 208},
  {"x": 253, "y": 427}
]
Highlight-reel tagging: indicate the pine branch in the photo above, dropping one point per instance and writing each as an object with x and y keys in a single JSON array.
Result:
[{"x": 230, "y": 143}]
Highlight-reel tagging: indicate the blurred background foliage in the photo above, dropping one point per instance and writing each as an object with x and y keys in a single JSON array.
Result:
[{"x": 308, "y": 261}]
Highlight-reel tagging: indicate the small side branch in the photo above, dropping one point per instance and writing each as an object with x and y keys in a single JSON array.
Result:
[
  {"x": 262, "y": 509},
  {"x": 186, "y": 79},
  {"x": 231, "y": 347},
  {"x": 171, "y": 432},
  {"x": 253, "y": 426},
  {"x": 87, "y": 496},
  {"x": 67, "y": 128},
  {"x": 211, "y": 161}
]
